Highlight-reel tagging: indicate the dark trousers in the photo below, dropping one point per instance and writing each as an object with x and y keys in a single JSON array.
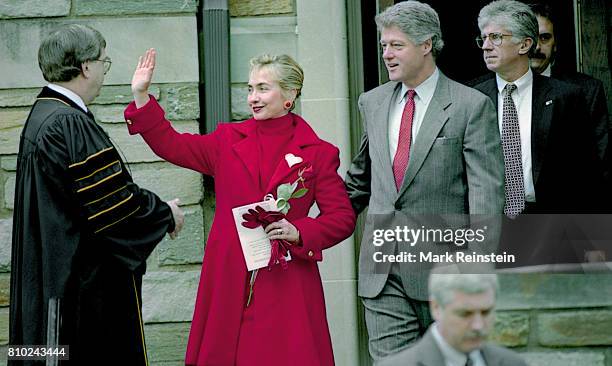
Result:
[{"x": 394, "y": 320}]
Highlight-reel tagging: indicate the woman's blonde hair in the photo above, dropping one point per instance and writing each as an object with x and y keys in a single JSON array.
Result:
[{"x": 289, "y": 74}]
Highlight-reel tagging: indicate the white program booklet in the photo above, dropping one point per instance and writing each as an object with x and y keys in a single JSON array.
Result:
[{"x": 255, "y": 244}]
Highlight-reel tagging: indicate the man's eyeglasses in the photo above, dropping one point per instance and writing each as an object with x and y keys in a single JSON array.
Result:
[
  {"x": 107, "y": 64},
  {"x": 495, "y": 38}
]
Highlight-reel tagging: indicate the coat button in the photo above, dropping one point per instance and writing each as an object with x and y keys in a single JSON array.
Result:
[
  {"x": 129, "y": 121},
  {"x": 310, "y": 253},
  {"x": 398, "y": 206}
]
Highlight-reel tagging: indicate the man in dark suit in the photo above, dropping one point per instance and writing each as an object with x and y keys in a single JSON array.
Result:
[
  {"x": 551, "y": 166},
  {"x": 431, "y": 146},
  {"x": 543, "y": 63},
  {"x": 463, "y": 307}
]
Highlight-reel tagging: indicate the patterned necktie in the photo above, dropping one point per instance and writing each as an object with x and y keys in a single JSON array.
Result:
[
  {"x": 511, "y": 144},
  {"x": 402, "y": 155}
]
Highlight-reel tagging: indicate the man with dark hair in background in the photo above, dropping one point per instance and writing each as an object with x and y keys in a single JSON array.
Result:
[{"x": 543, "y": 63}]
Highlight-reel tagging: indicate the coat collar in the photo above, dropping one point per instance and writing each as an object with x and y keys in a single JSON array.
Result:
[
  {"x": 380, "y": 136},
  {"x": 50, "y": 94},
  {"x": 246, "y": 147}
]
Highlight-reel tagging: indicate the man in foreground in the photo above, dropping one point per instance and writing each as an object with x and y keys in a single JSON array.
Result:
[{"x": 463, "y": 308}]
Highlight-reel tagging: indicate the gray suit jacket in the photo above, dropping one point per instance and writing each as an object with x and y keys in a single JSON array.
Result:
[
  {"x": 425, "y": 352},
  {"x": 456, "y": 167}
]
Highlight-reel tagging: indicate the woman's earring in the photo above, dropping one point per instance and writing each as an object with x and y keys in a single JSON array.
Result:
[{"x": 288, "y": 104}]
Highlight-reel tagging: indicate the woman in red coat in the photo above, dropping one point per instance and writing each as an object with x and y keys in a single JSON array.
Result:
[{"x": 284, "y": 322}]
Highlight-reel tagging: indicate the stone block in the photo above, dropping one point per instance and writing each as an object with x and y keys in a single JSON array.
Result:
[
  {"x": 188, "y": 248},
  {"x": 326, "y": 77},
  {"x": 6, "y": 229},
  {"x": 4, "y": 326},
  {"x": 120, "y": 94},
  {"x": 253, "y": 36},
  {"x": 163, "y": 291},
  {"x": 511, "y": 329},
  {"x": 125, "y": 7},
  {"x": 182, "y": 102},
  {"x": 324, "y": 116},
  {"x": 9, "y": 191},
  {"x": 246, "y": 8},
  {"x": 109, "y": 113},
  {"x": 8, "y": 163},
  {"x": 240, "y": 106},
  {"x": 166, "y": 342},
  {"x": 564, "y": 358},
  {"x": 133, "y": 146},
  {"x": 575, "y": 328},
  {"x": 33, "y": 8},
  {"x": 11, "y": 124},
  {"x": 170, "y": 182},
  {"x": 19, "y": 50},
  {"x": 18, "y": 97},
  {"x": 13, "y": 117},
  {"x": 109, "y": 94},
  {"x": 550, "y": 291},
  {"x": 5, "y": 289}
]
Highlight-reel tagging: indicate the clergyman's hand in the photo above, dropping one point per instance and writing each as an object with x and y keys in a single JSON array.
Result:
[
  {"x": 179, "y": 217},
  {"x": 142, "y": 77}
]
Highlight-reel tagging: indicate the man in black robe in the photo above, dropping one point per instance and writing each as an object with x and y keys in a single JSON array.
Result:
[{"x": 82, "y": 230}]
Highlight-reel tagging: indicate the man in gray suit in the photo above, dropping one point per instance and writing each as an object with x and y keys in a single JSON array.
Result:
[
  {"x": 430, "y": 146},
  {"x": 463, "y": 307}
]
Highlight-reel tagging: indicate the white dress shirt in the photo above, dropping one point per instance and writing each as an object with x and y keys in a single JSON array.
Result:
[
  {"x": 69, "y": 94},
  {"x": 548, "y": 71},
  {"x": 522, "y": 98},
  {"x": 451, "y": 356},
  {"x": 424, "y": 93}
]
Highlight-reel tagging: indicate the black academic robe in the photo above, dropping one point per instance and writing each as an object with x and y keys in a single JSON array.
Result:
[{"x": 82, "y": 231}]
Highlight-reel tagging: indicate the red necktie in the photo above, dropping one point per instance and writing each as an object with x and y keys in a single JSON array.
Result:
[{"x": 402, "y": 155}]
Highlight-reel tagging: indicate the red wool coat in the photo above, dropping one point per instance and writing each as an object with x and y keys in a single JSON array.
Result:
[{"x": 286, "y": 321}]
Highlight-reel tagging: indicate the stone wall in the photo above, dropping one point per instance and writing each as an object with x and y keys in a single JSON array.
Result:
[{"x": 556, "y": 320}]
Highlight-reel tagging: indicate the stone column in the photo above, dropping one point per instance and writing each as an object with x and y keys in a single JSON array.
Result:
[{"x": 322, "y": 52}]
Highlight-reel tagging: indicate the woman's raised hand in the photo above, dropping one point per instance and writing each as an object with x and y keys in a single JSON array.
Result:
[{"x": 142, "y": 77}]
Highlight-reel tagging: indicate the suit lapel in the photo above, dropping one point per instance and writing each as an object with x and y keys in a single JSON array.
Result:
[
  {"x": 490, "y": 357},
  {"x": 433, "y": 121},
  {"x": 379, "y": 137},
  {"x": 489, "y": 88},
  {"x": 429, "y": 353},
  {"x": 541, "y": 117}
]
